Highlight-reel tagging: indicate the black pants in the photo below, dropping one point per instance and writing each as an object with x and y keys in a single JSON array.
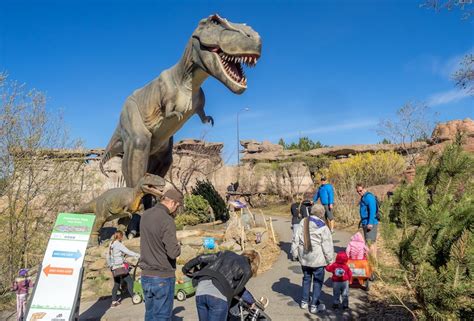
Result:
[{"x": 118, "y": 281}]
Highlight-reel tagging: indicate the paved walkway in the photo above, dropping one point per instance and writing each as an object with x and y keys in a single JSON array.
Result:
[{"x": 281, "y": 284}]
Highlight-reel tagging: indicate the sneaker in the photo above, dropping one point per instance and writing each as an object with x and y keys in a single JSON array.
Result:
[
  {"x": 321, "y": 308},
  {"x": 304, "y": 305},
  {"x": 335, "y": 306},
  {"x": 115, "y": 304},
  {"x": 313, "y": 309},
  {"x": 264, "y": 301}
]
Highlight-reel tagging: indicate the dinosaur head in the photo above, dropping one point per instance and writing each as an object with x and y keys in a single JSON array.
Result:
[
  {"x": 221, "y": 48},
  {"x": 152, "y": 184}
]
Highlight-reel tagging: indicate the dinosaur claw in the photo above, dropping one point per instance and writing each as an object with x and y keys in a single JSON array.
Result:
[{"x": 210, "y": 120}]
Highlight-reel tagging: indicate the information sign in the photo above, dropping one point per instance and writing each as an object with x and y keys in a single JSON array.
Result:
[{"x": 58, "y": 282}]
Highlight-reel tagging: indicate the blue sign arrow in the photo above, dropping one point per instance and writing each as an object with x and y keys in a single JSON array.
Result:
[{"x": 67, "y": 255}]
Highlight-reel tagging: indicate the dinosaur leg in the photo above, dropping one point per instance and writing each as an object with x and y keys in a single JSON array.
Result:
[
  {"x": 136, "y": 144},
  {"x": 95, "y": 234},
  {"x": 159, "y": 164}
]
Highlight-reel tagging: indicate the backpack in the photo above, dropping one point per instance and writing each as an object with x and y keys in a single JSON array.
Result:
[{"x": 377, "y": 205}]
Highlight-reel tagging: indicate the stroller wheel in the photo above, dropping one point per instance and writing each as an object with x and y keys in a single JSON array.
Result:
[
  {"x": 136, "y": 299},
  {"x": 181, "y": 296},
  {"x": 367, "y": 284}
]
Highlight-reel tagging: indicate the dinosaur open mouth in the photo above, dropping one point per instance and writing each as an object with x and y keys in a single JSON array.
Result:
[
  {"x": 232, "y": 65},
  {"x": 152, "y": 189}
]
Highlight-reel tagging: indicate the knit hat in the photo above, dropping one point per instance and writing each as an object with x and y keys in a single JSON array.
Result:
[{"x": 23, "y": 272}]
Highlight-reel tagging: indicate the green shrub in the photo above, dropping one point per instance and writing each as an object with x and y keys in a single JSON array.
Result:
[
  {"x": 186, "y": 219},
  {"x": 369, "y": 169},
  {"x": 431, "y": 224},
  {"x": 198, "y": 206},
  {"x": 207, "y": 191}
]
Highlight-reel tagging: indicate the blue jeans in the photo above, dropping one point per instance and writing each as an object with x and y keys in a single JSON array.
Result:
[
  {"x": 317, "y": 276},
  {"x": 211, "y": 308},
  {"x": 341, "y": 290},
  {"x": 159, "y": 296}
]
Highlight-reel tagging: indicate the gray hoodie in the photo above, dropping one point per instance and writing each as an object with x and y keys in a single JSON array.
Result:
[
  {"x": 321, "y": 241},
  {"x": 115, "y": 254}
]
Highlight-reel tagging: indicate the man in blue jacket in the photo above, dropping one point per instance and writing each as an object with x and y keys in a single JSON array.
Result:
[
  {"x": 326, "y": 194},
  {"x": 368, "y": 217}
]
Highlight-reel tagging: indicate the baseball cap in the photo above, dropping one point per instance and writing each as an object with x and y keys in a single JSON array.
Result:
[{"x": 174, "y": 195}]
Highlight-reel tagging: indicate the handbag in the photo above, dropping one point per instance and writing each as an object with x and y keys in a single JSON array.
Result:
[{"x": 121, "y": 271}]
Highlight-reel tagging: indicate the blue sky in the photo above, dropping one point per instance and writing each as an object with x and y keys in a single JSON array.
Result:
[{"x": 329, "y": 70}]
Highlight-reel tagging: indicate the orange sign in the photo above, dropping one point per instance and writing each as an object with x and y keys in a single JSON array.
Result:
[{"x": 57, "y": 270}]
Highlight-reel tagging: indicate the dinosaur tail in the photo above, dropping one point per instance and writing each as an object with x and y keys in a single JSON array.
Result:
[
  {"x": 86, "y": 208},
  {"x": 115, "y": 147}
]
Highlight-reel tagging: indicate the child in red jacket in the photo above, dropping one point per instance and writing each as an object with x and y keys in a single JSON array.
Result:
[{"x": 341, "y": 275}]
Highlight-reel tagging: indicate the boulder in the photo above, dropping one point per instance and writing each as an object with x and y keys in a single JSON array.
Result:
[
  {"x": 381, "y": 190},
  {"x": 187, "y": 253},
  {"x": 133, "y": 244},
  {"x": 92, "y": 274},
  {"x": 230, "y": 245},
  {"x": 234, "y": 229},
  {"x": 96, "y": 251},
  {"x": 97, "y": 265},
  {"x": 187, "y": 233},
  {"x": 195, "y": 241},
  {"x": 447, "y": 131}
]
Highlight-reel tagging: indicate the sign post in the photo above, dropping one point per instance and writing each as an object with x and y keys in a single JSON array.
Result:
[{"x": 58, "y": 285}]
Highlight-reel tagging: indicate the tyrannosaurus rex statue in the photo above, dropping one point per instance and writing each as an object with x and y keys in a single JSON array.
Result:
[
  {"x": 121, "y": 202},
  {"x": 153, "y": 114}
]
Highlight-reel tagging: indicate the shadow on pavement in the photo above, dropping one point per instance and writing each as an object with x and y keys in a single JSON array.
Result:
[
  {"x": 175, "y": 312},
  {"x": 286, "y": 247},
  {"x": 97, "y": 310},
  {"x": 286, "y": 288}
]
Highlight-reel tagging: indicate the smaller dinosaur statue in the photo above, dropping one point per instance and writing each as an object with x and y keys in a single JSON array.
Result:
[{"x": 121, "y": 202}]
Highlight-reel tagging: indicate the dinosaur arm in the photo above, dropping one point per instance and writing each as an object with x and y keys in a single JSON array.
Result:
[{"x": 201, "y": 100}]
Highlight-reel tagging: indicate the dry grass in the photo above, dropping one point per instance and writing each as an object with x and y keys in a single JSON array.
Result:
[{"x": 389, "y": 297}]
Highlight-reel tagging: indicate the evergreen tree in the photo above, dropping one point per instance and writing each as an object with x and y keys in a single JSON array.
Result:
[
  {"x": 208, "y": 192},
  {"x": 435, "y": 215}
]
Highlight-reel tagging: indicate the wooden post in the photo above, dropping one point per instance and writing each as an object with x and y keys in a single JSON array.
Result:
[
  {"x": 243, "y": 237},
  {"x": 264, "y": 220},
  {"x": 252, "y": 216},
  {"x": 273, "y": 231}
]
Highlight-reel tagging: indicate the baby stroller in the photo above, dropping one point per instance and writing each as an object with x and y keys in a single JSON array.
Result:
[
  {"x": 361, "y": 271},
  {"x": 182, "y": 289},
  {"x": 242, "y": 311}
]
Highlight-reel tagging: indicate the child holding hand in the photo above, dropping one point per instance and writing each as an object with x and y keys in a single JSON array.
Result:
[{"x": 341, "y": 275}]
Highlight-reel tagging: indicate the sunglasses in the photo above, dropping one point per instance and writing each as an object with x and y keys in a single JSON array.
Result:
[{"x": 359, "y": 191}]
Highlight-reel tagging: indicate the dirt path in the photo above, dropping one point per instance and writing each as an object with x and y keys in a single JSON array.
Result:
[{"x": 281, "y": 284}]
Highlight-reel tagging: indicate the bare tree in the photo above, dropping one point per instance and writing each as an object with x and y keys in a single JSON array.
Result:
[
  {"x": 34, "y": 186},
  {"x": 464, "y": 5},
  {"x": 192, "y": 162},
  {"x": 413, "y": 123},
  {"x": 464, "y": 76}
]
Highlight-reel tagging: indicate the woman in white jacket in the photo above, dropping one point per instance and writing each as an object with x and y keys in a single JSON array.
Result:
[
  {"x": 116, "y": 260},
  {"x": 313, "y": 246}
]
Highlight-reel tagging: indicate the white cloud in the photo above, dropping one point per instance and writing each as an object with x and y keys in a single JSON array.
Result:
[
  {"x": 447, "y": 97},
  {"x": 330, "y": 128}
]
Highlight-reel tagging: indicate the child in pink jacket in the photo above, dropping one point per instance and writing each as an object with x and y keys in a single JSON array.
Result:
[
  {"x": 21, "y": 286},
  {"x": 357, "y": 249}
]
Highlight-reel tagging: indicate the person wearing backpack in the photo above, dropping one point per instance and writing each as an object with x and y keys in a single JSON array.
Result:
[{"x": 369, "y": 217}]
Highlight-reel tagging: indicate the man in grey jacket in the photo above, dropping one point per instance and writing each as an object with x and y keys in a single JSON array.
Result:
[{"x": 159, "y": 249}]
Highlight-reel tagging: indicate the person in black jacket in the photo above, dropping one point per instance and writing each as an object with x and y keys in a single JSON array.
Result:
[{"x": 219, "y": 278}]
